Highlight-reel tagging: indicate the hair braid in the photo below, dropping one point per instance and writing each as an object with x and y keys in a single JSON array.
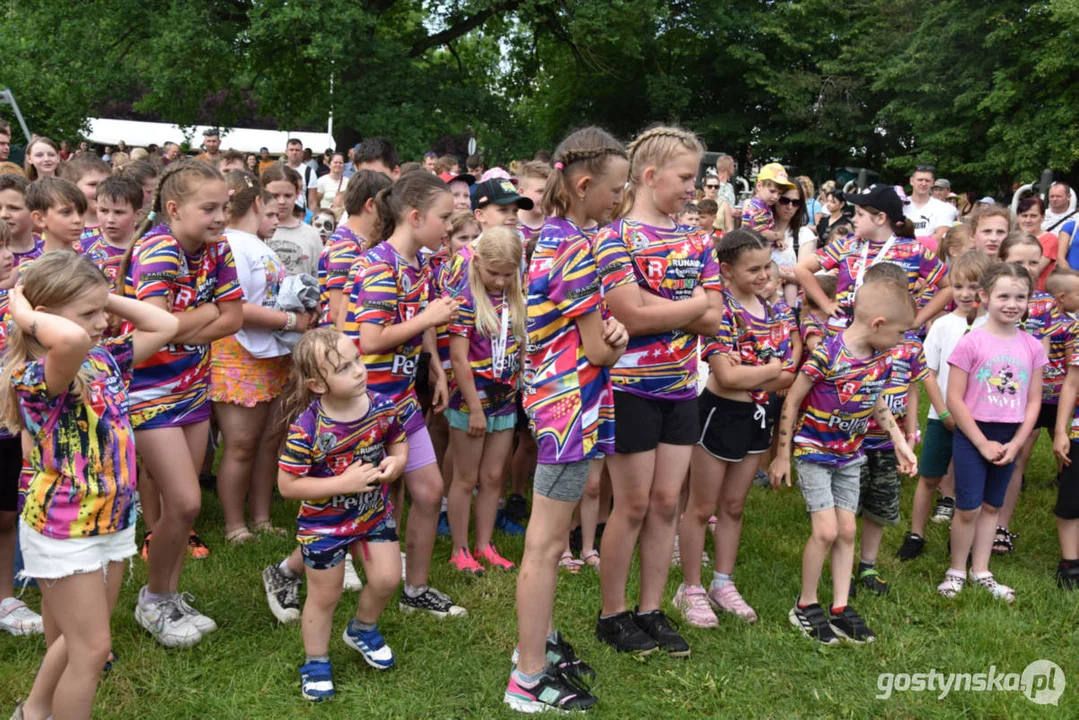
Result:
[{"x": 655, "y": 147}]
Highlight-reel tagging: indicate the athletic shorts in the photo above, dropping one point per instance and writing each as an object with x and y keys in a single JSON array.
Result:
[
  {"x": 825, "y": 487},
  {"x": 495, "y": 423},
  {"x": 880, "y": 487},
  {"x": 730, "y": 429},
  {"x": 641, "y": 424},
  {"x": 1067, "y": 507},
  {"x": 977, "y": 480},
  {"x": 329, "y": 551},
  {"x": 1047, "y": 418},
  {"x": 936, "y": 450},
  {"x": 10, "y": 470},
  {"x": 421, "y": 452},
  {"x": 564, "y": 481}
]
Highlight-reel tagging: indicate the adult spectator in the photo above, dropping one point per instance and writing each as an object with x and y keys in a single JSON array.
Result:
[
  {"x": 322, "y": 166},
  {"x": 211, "y": 143},
  {"x": 941, "y": 189},
  {"x": 929, "y": 215},
  {"x": 65, "y": 150},
  {"x": 430, "y": 160},
  {"x": 251, "y": 163},
  {"x": 171, "y": 152},
  {"x": 265, "y": 161},
  {"x": 799, "y": 239},
  {"x": 1060, "y": 196},
  {"x": 836, "y": 214},
  {"x": 331, "y": 187},
  {"x": 1029, "y": 214},
  {"x": 447, "y": 164},
  {"x": 308, "y": 197},
  {"x": 106, "y": 155},
  {"x": 725, "y": 192},
  {"x": 309, "y": 159},
  {"x": 5, "y": 142},
  {"x": 84, "y": 147},
  {"x": 813, "y": 207}
]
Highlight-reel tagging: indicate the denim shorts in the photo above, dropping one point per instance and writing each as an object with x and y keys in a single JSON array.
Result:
[
  {"x": 825, "y": 487},
  {"x": 47, "y": 558}
]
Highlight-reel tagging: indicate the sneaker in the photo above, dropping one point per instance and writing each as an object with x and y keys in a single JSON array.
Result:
[
  {"x": 145, "y": 550},
  {"x": 692, "y": 602},
  {"x": 561, "y": 657},
  {"x": 676, "y": 555},
  {"x": 552, "y": 691},
  {"x": 462, "y": 561},
  {"x": 517, "y": 508},
  {"x": 196, "y": 548},
  {"x": 316, "y": 681},
  {"x": 282, "y": 594},
  {"x": 17, "y": 619},
  {"x": 624, "y": 635},
  {"x": 404, "y": 567},
  {"x": 370, "y": 644},
  {"x": 204, "y": 624},
  {"x": 987, "y": 581},
  {"x": 443, "y": 524},
  {"x": 871, "y": 580},
  {"x": 913, "y": 546},
  {"x": 490, "y": 556},
  {"x": 166, "y": 622},
  {"x": 432, "y": 601},
  {"x": 761, "y": 479},
  {"x": 1067, "y": 577},
  {"x": 506, "y": 525},
  {"x": 944, "y": 511},
  {"x": 849, "y": 625},
  {"x": 728, "y": 599},
  {"x": 660, "y": 628},
  {"x": 812, "y": 620},
  {"x": 352, "y": 581},
  {"x": 952, "y": 585}
]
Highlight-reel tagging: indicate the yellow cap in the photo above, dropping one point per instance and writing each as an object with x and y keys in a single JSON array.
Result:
[{"x": 776, "y": 173}]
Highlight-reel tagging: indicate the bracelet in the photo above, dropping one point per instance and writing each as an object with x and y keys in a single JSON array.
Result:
[
  {"x": 944, "y": 415},
  {"x": 290, "y": 321}
]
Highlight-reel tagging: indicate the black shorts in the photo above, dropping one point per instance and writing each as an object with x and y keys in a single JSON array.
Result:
[
  {"x": 775, "y": 407},
  {"x": 730, "y": 430},
  {"x": 522, "y": 416},
  {"x": 641, "y": 424},
  {"x": 1067, "y": 507},
  {"x": 10, "y": 470},
  {"x": 1047, "y": 418}
]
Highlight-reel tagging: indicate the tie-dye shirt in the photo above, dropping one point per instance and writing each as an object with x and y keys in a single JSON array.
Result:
[
  {"x": 908, "y": 368},
  {"x": 568, "y": 400},
  {"x": 170, "y": 389},
  {"x": 669, "y": 263},
  {"x": 840, "y": 404},
  {"x": 756, "y": 339},
  {"x": 1045, "y": 320},
  {"x": 107, "y": 257},
  {"x": 845, "y": 255},
  {"x": 82, "y": 477},
  {"x": 318, "y": 446},
  {"x": 498, "y": 395},
  {"x": 334, "y": 264},
  {"x": 756, "y": 215},
  {"x": 390, "y": 291}
]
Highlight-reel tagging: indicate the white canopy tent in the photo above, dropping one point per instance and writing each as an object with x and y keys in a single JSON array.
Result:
[{"x": 136, "y": 133}]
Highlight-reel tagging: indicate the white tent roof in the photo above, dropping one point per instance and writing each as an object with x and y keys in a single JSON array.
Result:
[{"x": 140, "y": 134}]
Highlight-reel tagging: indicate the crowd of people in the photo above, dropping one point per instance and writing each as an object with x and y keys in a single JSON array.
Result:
[{"x": 636, "y": 343}]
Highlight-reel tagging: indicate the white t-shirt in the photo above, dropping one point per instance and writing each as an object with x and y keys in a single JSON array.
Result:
[
  {"x": 1052, "y": 218},
  {"x": 927, "y": 218},
  {"x": 260, "y": 272},
  {"x": 944, "y": 335},
  {"x": 328, "y": 188},
  {"x": 308, "y": 177},
  {"x": 298, "y": 247}
]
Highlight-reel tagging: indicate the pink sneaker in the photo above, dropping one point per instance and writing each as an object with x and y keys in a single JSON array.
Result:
[
  {"x": 463, "y": 561},
  {"x": 490, "y": 556},
  {"x": 692, "y": 602},
  {"x": 729, "y": 600}
]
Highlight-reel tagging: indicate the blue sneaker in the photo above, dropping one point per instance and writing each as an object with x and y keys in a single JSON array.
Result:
[
  {"x": 370, "y": 644},
  {"x": 505, "y": 524},
  {"x": 316, "y": 681},
  {"x": 443, "y": 524}
]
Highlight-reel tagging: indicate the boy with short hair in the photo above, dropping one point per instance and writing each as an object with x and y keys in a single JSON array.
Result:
[
  {"x": 119, "y": 200},
  {"x": 57, "y": 207},
  {"x": 87, "y": 171},
  {"x": 474, "y": 166},
  {"x": 841, "y": 384},
  {"x": 532, "y": 181},
  {"x": 708, "y": 210},
  {"x": 758, "y": 211},
  {"x": 496, "y": 202},
  {"x": 690, "y": 215},
  {"x": 24, "y": 245}
]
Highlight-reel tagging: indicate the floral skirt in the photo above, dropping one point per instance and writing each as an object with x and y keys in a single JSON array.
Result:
[{"x": 239, "y": 378}]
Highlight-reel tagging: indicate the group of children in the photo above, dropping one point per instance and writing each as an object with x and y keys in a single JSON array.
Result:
[{"x": 563, "y": 325}]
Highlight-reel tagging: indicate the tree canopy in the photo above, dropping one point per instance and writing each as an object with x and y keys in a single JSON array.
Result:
[{"x": 985, "y": 90}]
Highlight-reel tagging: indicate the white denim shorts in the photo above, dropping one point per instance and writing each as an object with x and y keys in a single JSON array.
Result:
[{"x": 46, "y": 558}]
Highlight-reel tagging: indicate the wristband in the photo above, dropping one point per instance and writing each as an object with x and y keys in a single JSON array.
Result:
[
  {"x": 944, "y": 415},
  {"x": 290, "y": 321}
]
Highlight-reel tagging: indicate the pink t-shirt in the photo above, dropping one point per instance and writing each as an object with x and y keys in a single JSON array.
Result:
[{"x": 999, "y": 371}]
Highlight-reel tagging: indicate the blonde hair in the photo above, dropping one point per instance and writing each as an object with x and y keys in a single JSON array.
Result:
[
  {"x": 5, "y": 234},
  {"x": 244, "y": 189},
  {"x": 10, "y": 168},
  {"x": 462, "y": 219},
  {"x": 984, "y": 213},
  {"x": 315, "y": 348},
  {"x": 497, "y": 245},
  {"x": 655, "y": 147},
  {"x": 969, "y": 267},
  {"x": 54, "y": 280},
  {"x": 585, "y": 150},
  {"x": 957, "y": 236}
]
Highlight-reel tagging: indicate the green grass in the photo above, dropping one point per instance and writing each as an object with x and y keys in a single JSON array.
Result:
[{"x": 458, "y": 668}]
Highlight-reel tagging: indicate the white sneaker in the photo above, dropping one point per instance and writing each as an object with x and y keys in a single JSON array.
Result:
[
  {"x": 404, "y": 565},
  {"x": 17, "y": 619},
  {"x": 204, "y": 624},
  {"x": 352, "y": 581},
  {"x": 166, "y": 622}
]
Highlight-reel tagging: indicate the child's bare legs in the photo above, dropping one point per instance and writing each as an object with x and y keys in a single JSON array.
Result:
[
  {"x": 589, "y": 507},
  {"x": 843, "y": 556},
  {"x": 323, "y": 593},
  {"x": 524, "y": 459},
  {"x": 382, "y": 567},
  {"x": 8, "y": 528},
  {"x": 480, "y": 460},
  {"x": 469, "y": 451},
  {"x": 496, "y": 451},
  {"x": 985, "y": 531},
  {"x": 1068, "y": 532},
  {"x": 397, "y": 498},
  {"x": 242, "y": 428},
  {"x": 922, "y": 507},
  {"x": 706, "y": 476},
  {"x": 872, "y": 532},
  {"x": 606, "y": 495},
  {"x": 821, "y": 540},
  {"x": 947, "y": 484},
  {"x": 149, "y": 499},
  {"x": 425, "y": 488},
  {"x": 732, "y": 501},
  {"x": 264, "y": 477}
]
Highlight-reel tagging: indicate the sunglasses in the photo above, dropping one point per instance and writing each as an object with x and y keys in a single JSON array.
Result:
[
  {"x": 795, "y": 202},
  {"x": 925, "y": 168},
  {"x": 712, "y": 186}
]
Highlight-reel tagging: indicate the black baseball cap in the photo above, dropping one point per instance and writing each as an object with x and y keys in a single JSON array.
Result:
[
  {"x": 499, "y": 192},
  {"x": 879, "y": 196}
]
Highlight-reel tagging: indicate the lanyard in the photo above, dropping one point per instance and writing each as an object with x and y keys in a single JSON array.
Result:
[
  {"x": 860, "y": 277},
  {"x": 498, "y": 345}
]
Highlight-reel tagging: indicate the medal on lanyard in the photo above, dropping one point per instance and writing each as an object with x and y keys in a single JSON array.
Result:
[
  {"x": 860, "y": 278},
  {"x": 498, "y": 345}
]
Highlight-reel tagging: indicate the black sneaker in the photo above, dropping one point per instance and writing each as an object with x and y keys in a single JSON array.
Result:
[
  {"x": 871, "y": 580},
  {"x": 812, "y": 620},
  {"x": 553, "y": 691},
  {"x": 517, "y": 508},
  {"x": 913, "y": 546},
  {"x": 624, "y": 635},
  {"x": 432, "y": 601},
  {"x": 849, "y": 625},
  {"x": 562, "y": 658},
  {"x": 1067, "y": 577},
  {"x": 660, "y": 628},
  {"x": 282, "y": 594}
]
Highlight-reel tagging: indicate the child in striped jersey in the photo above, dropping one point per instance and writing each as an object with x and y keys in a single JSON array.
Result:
[
  {"x": 1064, "y": 286},
  {"x": 532, "y": 180},
  {"x": 57, "y": 207},
  {"x": 814, "y": 323},
  {"x": 840, "y": 385},
  {"x": 87, "y": 171},
  {"x": 25, "y": 244},
  {"x": 341, "y": 453},
  {"x": 118, "y": 200}
]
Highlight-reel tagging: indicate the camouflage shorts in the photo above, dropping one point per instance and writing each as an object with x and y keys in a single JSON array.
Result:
[{"x": 879, "y": 498}]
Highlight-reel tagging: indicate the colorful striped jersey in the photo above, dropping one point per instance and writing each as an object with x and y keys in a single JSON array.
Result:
[
  {"x": 388, "y": 290},
  {"x": 812, "y": 326},
  {"x": 568, "y": 399},
  {"x": 669, "y": 263},
  {"x": 334, "y": 264},
  {"x": 1045, "y": 320},
  {"x": 498, "y": 395},
  {"x": 81, "y": 481},
  {"x": 90, "y": 235},
  {"x": 756, "y": 215},
  {"x": 170, "y": 388},
  {"x": 32, "y": 254},
  {"x": 318, "y": 446},
  {"x": 755, "y": 339},
  {"x": 107, "y": 257},
  {"x": 1073, "y": 361},
  {"x": 908, "y": 367},
  {"x": 840, "y": 404}
]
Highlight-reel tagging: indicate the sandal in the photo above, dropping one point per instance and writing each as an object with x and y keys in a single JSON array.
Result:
[
  {"x": 239, "y": 536},
  {"x": 591, "y": 558},
  {"x": 1003, "y": 542},
  {"x": 569, "y": 563},
  {"x": 266, "y": 527}
]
